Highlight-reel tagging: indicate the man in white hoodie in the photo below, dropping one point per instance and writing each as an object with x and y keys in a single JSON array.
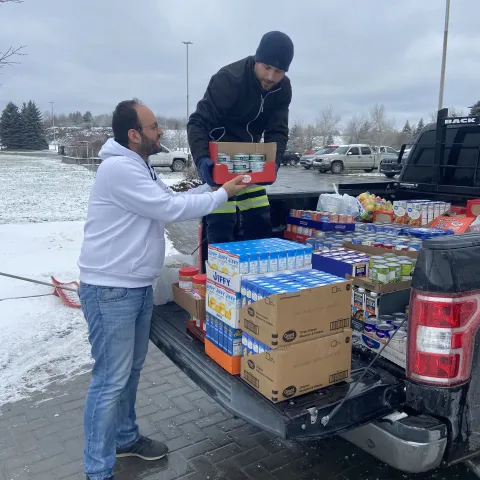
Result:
[{"x": 123, "y": 252}]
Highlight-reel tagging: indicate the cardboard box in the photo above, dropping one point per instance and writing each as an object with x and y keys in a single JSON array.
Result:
[
  {"x": 197, "y": 328},
  {"x": 229, "y": 363},
  {"x": 221, "y": 173},
  {"x": 379, "y": 251},
  {"x": 234, "y": 282},
  {"x": 223, "y": 336},
  {"x": 223, "y": 303},
  {"x": 294, "y": 370},
  {"x": 380, "y": 216},
  {"x": 367, "y": 284},
  {"x": 293, "y": 318},
  {"x": 456, "y": 224},
  {"x": 196, "y": 308},
  {"x": 340, "y": 266}
]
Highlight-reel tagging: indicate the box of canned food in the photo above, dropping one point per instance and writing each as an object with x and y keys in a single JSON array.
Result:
[{"x": 255, "y": 161}]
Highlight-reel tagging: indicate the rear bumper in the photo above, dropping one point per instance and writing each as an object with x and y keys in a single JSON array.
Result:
[
  {"x": 411, "y": 444},
  {"x": 391, "y": 168}
]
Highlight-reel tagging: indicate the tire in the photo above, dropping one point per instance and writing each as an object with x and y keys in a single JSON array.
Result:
[
  {"x": 307, "y": 168},
  {"x": 390, "y": 175},
  {"x": 178, "y": 165},
  {"x": 292, "y": 162},
  {"x": 368, "y": 170},
  {"x": 337, "y": 168}
]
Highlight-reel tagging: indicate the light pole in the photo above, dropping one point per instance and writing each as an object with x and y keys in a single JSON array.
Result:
[
  {"x": 188, "y": 95},
  {"x": 444, "y": 56},
  {"x": 53, "y": 126}
]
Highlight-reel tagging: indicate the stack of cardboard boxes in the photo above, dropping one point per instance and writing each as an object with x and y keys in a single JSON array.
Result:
[{"x": 302, "y": 335}]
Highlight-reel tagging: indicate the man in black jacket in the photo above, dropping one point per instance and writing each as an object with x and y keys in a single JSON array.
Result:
[{"x": 243, "y": 101}]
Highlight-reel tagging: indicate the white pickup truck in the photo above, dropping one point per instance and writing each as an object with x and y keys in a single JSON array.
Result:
[
  {"x": 353, "y": 157},
  {"x": 175, "y": 160}
]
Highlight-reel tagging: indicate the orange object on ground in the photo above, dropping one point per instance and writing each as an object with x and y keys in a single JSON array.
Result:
[
  {"x": 69, "y": 298},
  {"x": 231, "y": 364}
]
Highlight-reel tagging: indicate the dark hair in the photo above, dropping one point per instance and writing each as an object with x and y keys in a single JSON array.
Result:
[{"x": 124, "y": 119}]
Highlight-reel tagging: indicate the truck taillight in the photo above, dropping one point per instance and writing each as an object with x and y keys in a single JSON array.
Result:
[{"x": 441, "y": 336}]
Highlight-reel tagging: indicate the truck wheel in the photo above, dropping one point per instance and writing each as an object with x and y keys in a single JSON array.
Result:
[
  {"x": 292, "y": 162},
  {"x": 178, "y": 165},
  {"x": 368, "y": 170},
  {"x": 337, "y": 168},
  {"x": 389, "y": 175}
]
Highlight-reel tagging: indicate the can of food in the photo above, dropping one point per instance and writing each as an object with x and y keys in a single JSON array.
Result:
[
  {"x": 229, "y": 166},
  {"x": 382, "y": 273},
  {"x": 369, "y": 326},
  {"x": 400, "y": 316},
  {"x": 386, "y": 319},
  {"x": 406, "y": 268},
  {"x": 394, "y": 272},
  {"x": 257, "y": 157},
  {"x": 399, "y": 323},
  {"x": 383, "y": 332},
  {"x": 241, "y": 157},
  {"x": 256, "y": 166},
  {"x": 374, "y": 259},
  {"x": 223, "y": 158}
]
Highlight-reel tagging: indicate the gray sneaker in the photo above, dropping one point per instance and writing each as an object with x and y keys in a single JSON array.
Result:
[{"x": 144, "y": 448}]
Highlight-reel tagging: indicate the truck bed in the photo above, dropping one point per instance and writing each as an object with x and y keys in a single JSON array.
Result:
[{"x": 299, "y": 418}]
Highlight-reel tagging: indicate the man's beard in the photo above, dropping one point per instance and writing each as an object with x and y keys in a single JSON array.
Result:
[{"x": 150, "y": 147}]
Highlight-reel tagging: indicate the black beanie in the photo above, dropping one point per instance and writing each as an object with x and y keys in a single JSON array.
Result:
[{"x": 275, "y": 49}]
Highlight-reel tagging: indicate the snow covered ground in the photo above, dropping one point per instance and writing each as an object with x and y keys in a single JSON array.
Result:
[{"x": 43, "y": 205}]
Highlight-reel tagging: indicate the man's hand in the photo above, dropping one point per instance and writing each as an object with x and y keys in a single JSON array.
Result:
[
  {"x": 233, "y": 187},
  {"x": 205, "y": 168}
]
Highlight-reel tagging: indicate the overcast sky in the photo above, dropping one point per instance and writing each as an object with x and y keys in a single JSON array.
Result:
[{"x": 90, "y": 54}]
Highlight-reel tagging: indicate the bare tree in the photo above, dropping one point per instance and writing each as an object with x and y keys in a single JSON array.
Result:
[
  {"x": 359, "y": 129},
  {"x": 327, "y": 123},
  {"x": 452, "y": 112},
  {"x": 310, "y": 137},
  {"x": 7, "y": 57},
  {"x": 381, "y": 127}
]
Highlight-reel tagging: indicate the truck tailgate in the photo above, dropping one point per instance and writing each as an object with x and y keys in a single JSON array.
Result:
[{"x": 300, "y": 418}]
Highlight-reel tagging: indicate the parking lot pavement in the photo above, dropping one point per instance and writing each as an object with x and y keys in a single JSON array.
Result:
[{"x": 42, "y": 439}]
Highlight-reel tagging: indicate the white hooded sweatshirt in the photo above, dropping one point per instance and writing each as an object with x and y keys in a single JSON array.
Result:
[{"x": 124, "y": 236}]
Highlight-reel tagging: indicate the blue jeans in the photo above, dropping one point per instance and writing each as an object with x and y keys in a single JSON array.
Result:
[{"x": 119, "y": 328}]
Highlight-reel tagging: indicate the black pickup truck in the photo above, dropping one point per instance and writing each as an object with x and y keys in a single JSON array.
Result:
[{"x": 414, "y": 420}]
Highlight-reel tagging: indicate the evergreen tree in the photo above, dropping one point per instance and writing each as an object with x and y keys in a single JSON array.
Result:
[
  {"x": 296, "y": 138},
  {"x": 32, "y": 123},
  {"x": 475, "y": 110},
  {"x": 407, "y": 128},
  {"x": 88, "y": 117},
  {"x": 420, "y": 126},
  {"x": 10, "y": 129}
]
